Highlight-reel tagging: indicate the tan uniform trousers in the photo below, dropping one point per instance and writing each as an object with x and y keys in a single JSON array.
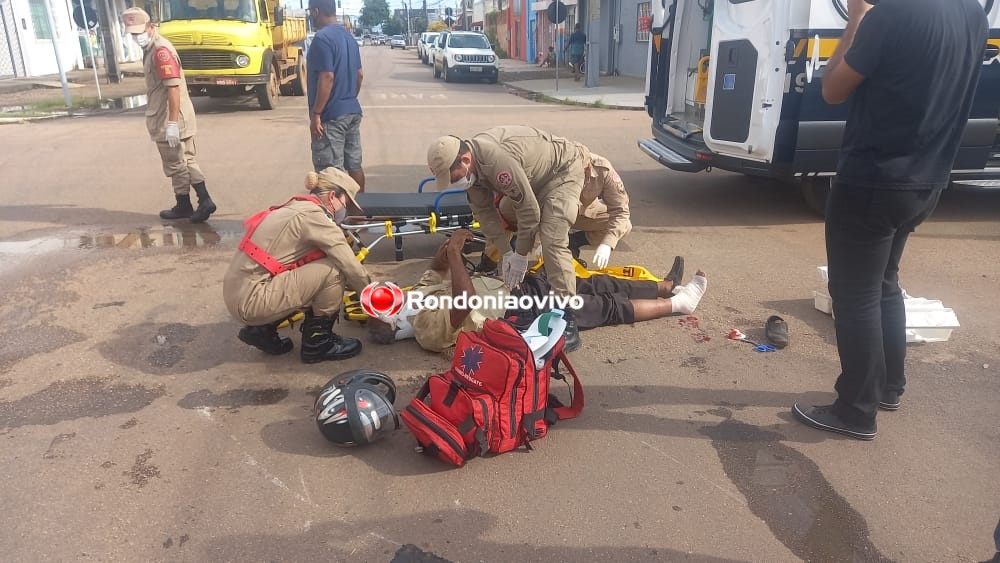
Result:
[
  {"x": 317, "y": 284},
  {"x": 180, "y": 166},
  {"x": 594, "y": 220},
  {"x": 559, "y": 210}
]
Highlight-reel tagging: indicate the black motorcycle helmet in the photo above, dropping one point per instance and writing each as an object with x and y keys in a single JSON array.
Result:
[{"x": 355, "y": 408}]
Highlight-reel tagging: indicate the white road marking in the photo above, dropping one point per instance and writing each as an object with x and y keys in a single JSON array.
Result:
[{"x": 466, "y": 106}]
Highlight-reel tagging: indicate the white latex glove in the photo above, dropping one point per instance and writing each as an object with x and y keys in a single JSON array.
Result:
[
  {"x": 173, "y": 134},
  {"x": 601, "y": 256},
  {"x": 513, "y": 269}
]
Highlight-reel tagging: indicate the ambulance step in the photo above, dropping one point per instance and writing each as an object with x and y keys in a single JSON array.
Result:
[
  {"x": 979, "y": 184},
  {"x": 667, "y": 157}
]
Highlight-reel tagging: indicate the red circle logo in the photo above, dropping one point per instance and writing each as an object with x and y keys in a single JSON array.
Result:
[{"x": 382, "y": 300}]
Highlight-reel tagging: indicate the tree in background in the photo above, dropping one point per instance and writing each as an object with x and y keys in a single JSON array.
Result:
[
  {"x": 436, "y": 26},
  {"x": 394, "y": 26},
  {"x": 374, "y": 13},
  {"x": 419, "y": 25}
]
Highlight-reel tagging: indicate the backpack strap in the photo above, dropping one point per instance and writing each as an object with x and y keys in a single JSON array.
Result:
[{"x": 576, "y": 407}]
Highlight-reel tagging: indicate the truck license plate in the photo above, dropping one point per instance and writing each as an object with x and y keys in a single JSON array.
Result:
[
  {"x": 227, "y": 81},
  {"x": 476, "y": 69}
]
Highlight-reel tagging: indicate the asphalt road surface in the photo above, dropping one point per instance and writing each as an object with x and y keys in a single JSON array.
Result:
[{"x": 135, "y": 426}]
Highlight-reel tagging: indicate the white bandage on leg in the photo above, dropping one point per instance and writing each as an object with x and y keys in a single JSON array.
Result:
[{"x": 687, "y": 297}]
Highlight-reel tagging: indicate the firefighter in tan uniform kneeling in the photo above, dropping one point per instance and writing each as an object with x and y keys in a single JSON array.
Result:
[
  {"x": 543, "y": 175},
  {"x": 293, "y": 257},
  {"x": 170, "y": 118},
  {"x": 604, "y": 217}
]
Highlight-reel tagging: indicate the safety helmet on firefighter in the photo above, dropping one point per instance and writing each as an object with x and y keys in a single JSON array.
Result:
[{"x": 355, "y": 408}]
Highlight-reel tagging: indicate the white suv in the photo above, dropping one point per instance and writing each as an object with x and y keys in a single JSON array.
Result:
[
  {"x": 426, "y": 40},
  {"x": 465, "y": 53}
]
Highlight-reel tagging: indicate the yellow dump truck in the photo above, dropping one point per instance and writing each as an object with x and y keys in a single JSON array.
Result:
[{"x": 238, "y": 47}]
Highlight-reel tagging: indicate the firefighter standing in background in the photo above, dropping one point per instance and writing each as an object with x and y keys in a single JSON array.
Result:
[{"x": 170, "y": 118}]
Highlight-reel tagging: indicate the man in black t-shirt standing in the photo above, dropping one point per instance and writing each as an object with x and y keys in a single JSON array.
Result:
[{"x": 912, "y": 66}]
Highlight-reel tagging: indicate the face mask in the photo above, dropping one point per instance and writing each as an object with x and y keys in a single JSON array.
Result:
[
  {"x": 141, "y": 38},
  {"x": 339, "y": 215},
  {"x": 465, "y": 182}
]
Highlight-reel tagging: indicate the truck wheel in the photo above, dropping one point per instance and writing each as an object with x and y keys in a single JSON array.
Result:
[
  {"x": 300, "y": 84},
  {"x": 447, "y": 77},
  {"x": 267, "y": 94},
  {"x": 815, "y": 192},
  {"x": 437, "y": 73}
]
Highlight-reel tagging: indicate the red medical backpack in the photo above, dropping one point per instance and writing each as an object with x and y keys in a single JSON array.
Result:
[{"x": 492, "y": 400}]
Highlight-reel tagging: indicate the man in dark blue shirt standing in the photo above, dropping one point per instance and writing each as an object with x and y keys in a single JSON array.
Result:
[
  {"x": 575, "y": 47},
  {"x": 913, "y": 67},
  {"x": 334, "y": 81}
]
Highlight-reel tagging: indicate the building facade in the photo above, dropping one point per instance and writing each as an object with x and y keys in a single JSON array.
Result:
[
  {"x": 29, "y": 39},
  {"x": 619, "y": 30}
]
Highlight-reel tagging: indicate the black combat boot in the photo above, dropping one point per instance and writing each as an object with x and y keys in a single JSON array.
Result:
[
  {"x": 577, "y": 241},
  {"x": 182, "y": 210},
  {"x": 266, "y": 339},
  {"x": 320, "y": 343},
  {"x": 205, "y": 204},
  {"x": 572, "y": 335}
]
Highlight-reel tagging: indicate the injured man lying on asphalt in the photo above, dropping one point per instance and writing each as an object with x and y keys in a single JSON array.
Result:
[{"x": 606, "y": 300}]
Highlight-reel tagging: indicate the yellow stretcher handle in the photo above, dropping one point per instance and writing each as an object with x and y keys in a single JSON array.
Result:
[
  {"x": 388, "y": 229},
  {"x": 434, "y": 222},
  {"x": 701, "y": 85},
  {"x": 362, "y": 254},
  {"x": 296, "y": 317}
]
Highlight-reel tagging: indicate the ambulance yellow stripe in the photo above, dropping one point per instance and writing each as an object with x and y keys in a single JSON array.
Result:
[{"x": 828, "y": 45}]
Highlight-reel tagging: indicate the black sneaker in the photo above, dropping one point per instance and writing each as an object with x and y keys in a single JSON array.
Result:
[
  {"x": 890, "y": 401},
  {"x": 823, "y": 418}
]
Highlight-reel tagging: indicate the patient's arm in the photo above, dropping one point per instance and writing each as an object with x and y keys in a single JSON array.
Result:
[{"x": 461, "y": 283}]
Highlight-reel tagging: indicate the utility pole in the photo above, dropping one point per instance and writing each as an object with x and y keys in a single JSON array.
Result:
[
  {"x": 426, "y": 19},
  {"x": 105, "y": 18},
  {"x": 54, "y": 32},
  {"x": 408, "y": 33}
]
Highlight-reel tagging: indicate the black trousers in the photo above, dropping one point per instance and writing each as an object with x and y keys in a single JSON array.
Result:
[
  {"x": 866, "y": 231},
  {"x": 606, "y": 300}
]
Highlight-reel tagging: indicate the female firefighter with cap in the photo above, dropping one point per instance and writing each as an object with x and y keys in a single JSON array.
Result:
[{"x": 292, "y": 257}]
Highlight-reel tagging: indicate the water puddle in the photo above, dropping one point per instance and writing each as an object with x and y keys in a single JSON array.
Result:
[
  {"x": 234, "y": 398},
  {"x": 181, "y": 235},
  {"x": 70, "y": 400},
  {"x": 788, "y": 492}
]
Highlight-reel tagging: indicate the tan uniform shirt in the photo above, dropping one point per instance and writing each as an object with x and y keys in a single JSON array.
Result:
[
  {"x": 518, "y": 162},
  {"x": 162, "y": 67},
  {"x": 432, "y": 327},
  {"x": 604, "y": 183},
  {"x": 291, "y": 232}
]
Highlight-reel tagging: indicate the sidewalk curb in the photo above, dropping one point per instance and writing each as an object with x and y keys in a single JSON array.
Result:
[{"x": 543, "y": 98}]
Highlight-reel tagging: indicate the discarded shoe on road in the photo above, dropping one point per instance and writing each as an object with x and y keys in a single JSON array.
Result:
[{"x": 776, "y": 331}]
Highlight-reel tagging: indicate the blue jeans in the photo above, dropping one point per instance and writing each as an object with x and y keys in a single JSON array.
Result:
[{"x": 866, "y": 231}]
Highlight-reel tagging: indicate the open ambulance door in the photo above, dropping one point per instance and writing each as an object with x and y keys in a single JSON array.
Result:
[
  {"x": 746, "y": 77},
  {"x": 658, "y": 61}
]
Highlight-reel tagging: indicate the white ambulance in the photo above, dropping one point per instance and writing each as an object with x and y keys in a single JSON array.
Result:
[{"x": 736, "y": 85}]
